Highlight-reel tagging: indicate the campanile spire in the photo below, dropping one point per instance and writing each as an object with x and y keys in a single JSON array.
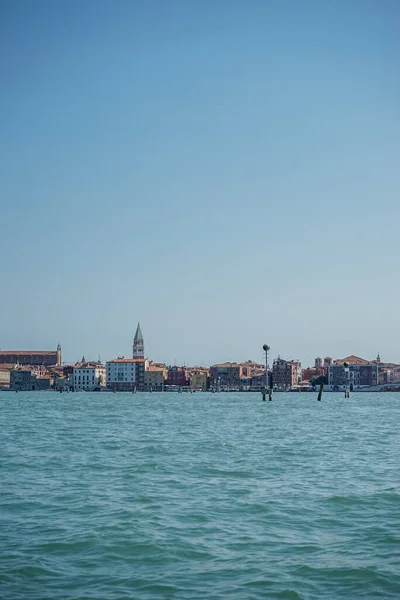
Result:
[{"x": 138, "y": 344}]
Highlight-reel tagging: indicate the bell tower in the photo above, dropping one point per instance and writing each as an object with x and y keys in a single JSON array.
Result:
[{"x": 138, "y": 344}]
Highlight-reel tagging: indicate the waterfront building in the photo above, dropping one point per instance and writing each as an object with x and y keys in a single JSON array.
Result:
[
  {"x": 21, "y": 379},
  {"x": 155, "y": 377},
  {"x": 230, "y": 375},
  {"x": 125, "y": 374},
  {"x": 388, "y": 373},
  {"x": 361, "y": 373},
  {"x": 286, "y": 374},
  {"x": 43, "y": 382},
  {"x": 199, "y": 379},
  {"x": 28, "y": 378},
  {"x": 258, "y": 378},
  {"x": 178, "y": 376},
  {"x": 5, "y": 376},
  {"x": 88, "y": 375},
  {"x": 61, "y": 383},
  {"x": 31, "y": 357},
  {"x": 395, "y": 374},
  {"x": 224, "y": 375}
]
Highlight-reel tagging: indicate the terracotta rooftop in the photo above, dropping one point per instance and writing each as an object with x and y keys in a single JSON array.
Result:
[
  {"x": 352, "y": 360},
  {"x": 28, "y": 352},
  {"x": 88, "y": 365},
  {"x": 56, "y": 369},
  {"x": 126, "y": 360}
]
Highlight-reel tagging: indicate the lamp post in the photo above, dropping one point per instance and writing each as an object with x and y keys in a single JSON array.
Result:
[
  {"x": 266, "y": 348},
  {"x": 347, "y": 378}
]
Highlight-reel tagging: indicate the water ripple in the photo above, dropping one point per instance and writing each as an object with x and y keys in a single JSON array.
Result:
[{"x": 110, "y": 497}]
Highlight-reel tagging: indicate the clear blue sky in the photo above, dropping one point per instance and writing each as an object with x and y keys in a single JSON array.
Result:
[{"x": 226, "y": 172}]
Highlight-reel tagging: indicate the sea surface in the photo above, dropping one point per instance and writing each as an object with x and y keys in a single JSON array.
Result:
[{"x": 199, "y": 496}]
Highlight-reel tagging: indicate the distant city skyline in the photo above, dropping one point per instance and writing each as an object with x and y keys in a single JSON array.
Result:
[
  {"x": 44, "y": 370},
  {"x": 225, "y": 172},
  {"x": 138, "y": 338}
]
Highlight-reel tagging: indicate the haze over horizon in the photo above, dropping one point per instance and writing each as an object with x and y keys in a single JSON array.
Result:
[{"x": 226, "y": 173}]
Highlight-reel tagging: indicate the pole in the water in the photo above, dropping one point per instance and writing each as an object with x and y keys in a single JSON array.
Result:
[
  {"x": 347, "y": 378},
  {"x": 267, "y": 389},
  {"x": 321, "y": 380}
]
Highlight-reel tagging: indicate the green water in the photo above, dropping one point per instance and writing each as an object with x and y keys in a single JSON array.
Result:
[{"x": 147, "y": 496}]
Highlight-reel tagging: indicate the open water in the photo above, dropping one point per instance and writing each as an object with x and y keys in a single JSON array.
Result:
[{"x": 199, "y": 496}]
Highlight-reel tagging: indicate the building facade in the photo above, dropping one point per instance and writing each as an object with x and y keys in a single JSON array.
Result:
[
  {"x": 43, "y": 383},
  {"x": 389, "y": 373},
  {"x": 359, "y": 375},
  {"x": 88, "y": 376},
  {"x": 286, "y": 374},
  {"x": 178, "y": 376},
  {"x": 21, "y": 379},
  {"x": 29, "y": 378},
  {"x": 155, "y": 377},
  {"x": 199, "y": 380},
  {"x": 258, "y": 380},
  {"x": 230, "y": 375},
  {"x": 224, "y": 375},
  {"x": 46, "y": 358},
  {"x": 125, "y": 374},
  {"x": 5, "y": 376}
]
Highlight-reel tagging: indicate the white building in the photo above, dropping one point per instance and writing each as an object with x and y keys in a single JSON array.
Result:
[
  {"x": 87, "y": 376},
  {"x": 125, "y": 374}
]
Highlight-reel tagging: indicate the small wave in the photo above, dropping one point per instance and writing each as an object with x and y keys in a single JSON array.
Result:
[
  {"x": 31, "y": 572},
  {"x": 288, "y": 595},
  {"x": 350, "y": 500}
]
